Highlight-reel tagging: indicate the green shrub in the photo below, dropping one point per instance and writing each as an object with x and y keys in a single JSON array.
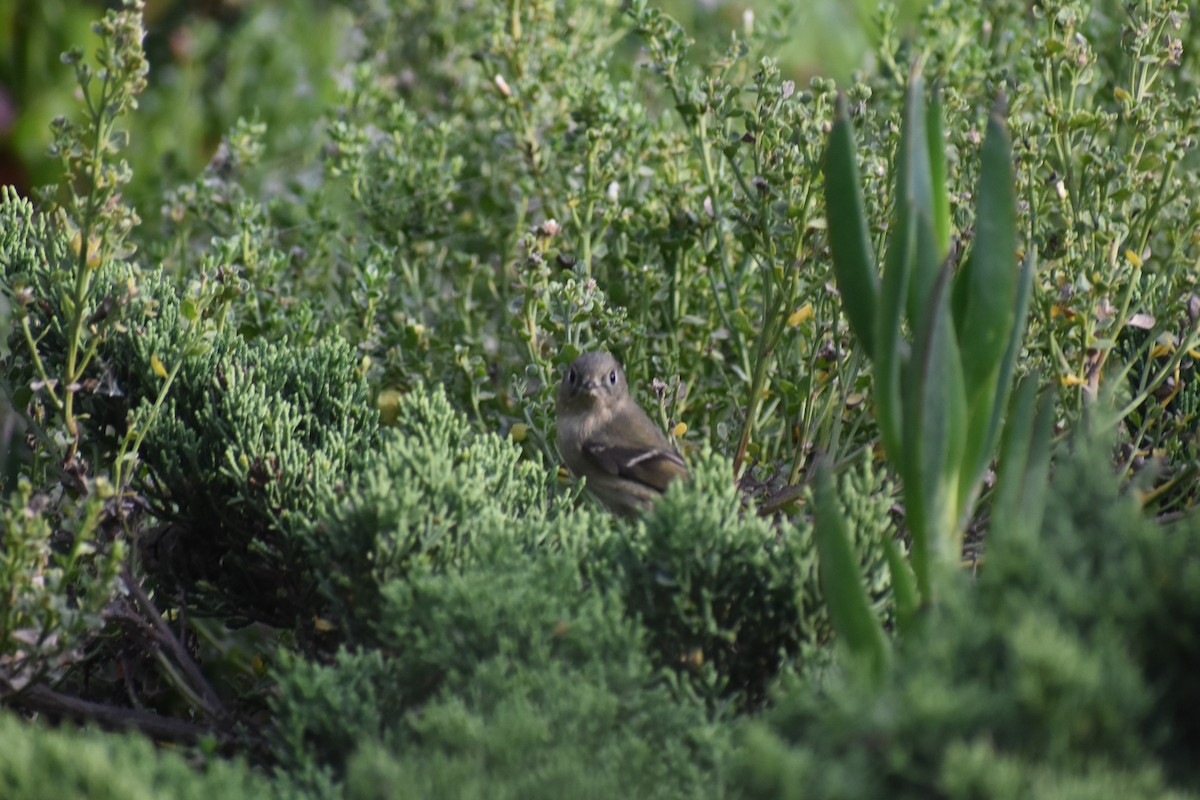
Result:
[
  {"x": 233, "y": 432},
  {"x": 37, "y": 763},
  {"x": 249, "y": 431},
  {"x": 548, "y": 735},
  {"x": 428, "y": 495},
  {"x": 1061, "y": 669},
  {"x": 499, "y": 190},
  {"x": 60, "y": 550},
  {"x": 52, "y": 549},
  {"x": 509, "y": 671},
  {"x": 728, "y": 598}
]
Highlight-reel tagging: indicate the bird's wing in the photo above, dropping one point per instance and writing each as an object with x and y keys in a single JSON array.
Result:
[
  {"x": 654, "y": 467},
  {"x": 625, "y": 454}
]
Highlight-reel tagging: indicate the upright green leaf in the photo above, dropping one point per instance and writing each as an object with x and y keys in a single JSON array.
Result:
[
  {"x": 991, "y": 301},
  {"x": 842, "y": 584},
  {"x": 991, "y": 398},
  {"x": 991, "y": 274},
  {"x": 937, "y": 171},
  {"x": 891, "y": 349},
  {"x": 849, "y": 240},
  {"x": 904, "y": 587},
  {"x": 934, "y": 433},
  {"x": 1023, "y": 468},
  {"x": 914, "y": 193}
]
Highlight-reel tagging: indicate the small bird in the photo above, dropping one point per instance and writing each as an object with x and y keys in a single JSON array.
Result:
[{"x": 605, "y": 437}]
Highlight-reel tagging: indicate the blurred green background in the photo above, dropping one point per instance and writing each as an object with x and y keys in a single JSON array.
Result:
[{"x": 213, "y": 61}]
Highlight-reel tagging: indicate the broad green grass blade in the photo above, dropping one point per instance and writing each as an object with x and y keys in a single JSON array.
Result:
[
  {"x": 980, "y": 446},
  {"x": 934, "y": 433},
  {"x": 1037, "y": 472},
  {"x": 992, "y": 298},
  {"x": 914, "y": 192},
  {"x": 891, "y": 349},
  {"x": 939, "y": 187},
  {"x": 1014, "y": 457},
  {"x": 849, "y": 239},
  {"x": 904, "y": 586},
  {"x": 842, "y": 583},
  {"x": 991, "y": 274},
  {"x": 1023, "y": 467}
]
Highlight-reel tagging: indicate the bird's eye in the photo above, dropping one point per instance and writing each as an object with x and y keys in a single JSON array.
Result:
[
  {"x": 612, "y": 377},
  {"x": 571, "y": 376}
]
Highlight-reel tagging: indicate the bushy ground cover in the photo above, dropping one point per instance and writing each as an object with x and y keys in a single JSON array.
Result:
[{"x": 279, "y": 485}]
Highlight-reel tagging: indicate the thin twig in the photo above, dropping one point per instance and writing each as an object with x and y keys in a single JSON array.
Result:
[
  {"x": 164, "y": 636},
  {"x": 48, "y": 701}
]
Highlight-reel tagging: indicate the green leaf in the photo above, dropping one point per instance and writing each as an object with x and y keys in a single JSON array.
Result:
[
  {"x": 842, "y": 584},
  {"x": 992, "y": 301},
  {"x": 904, "y": 587},
  {"x": 1023, "y": 468},
  {"x": 990, "y": 276},
  {"x": 891, "y": 349},
  {"x": 936, "y": 142},
  {"x": 990, "y": 396},
  {"x": 849, "y": 239},
  {"x": 934, "y": 434},
  {"x": 914, "y": 192}
]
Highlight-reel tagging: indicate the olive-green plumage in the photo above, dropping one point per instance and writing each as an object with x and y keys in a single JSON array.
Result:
[{"x": 605, "y": 437}]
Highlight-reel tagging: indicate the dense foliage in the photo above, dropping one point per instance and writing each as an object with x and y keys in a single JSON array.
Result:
[{"x": 276, "y": 433}]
